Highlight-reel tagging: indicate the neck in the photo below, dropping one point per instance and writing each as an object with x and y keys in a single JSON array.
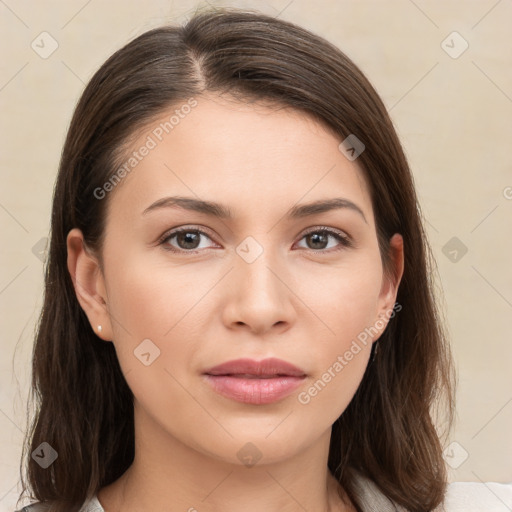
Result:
[{"x": 168, "y": 474}]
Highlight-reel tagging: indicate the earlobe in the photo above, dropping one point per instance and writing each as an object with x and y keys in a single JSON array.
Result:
[{"x": 88, "y": 281}]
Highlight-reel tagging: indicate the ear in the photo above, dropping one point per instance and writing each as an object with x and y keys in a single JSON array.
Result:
[
  {"x": 390, "y": 284},
  {"x": 88, "y": 280}
]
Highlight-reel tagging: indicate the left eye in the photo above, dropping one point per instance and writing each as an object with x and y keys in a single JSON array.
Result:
[{"x": 319, "y": 239}]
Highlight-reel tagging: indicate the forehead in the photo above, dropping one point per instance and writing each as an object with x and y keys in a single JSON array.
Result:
[{"x": 246, "y": 154}]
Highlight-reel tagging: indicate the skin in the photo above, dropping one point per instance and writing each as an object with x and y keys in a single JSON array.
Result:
[{"x": 297, "y": 301}]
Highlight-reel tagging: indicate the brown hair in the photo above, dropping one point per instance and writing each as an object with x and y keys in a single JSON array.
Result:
[{"x": 84, "y": 407}]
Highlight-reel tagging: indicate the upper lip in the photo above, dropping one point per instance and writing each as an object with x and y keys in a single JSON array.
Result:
[{"x": 265, "y": 368}]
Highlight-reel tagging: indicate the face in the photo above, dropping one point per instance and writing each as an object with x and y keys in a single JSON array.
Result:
[{"x": 272, "y": 279}]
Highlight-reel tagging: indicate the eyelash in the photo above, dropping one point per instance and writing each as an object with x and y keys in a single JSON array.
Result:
[{"x": 344, "y": 240}]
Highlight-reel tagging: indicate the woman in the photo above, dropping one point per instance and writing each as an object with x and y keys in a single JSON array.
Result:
[{"x": 238, "y": 310}]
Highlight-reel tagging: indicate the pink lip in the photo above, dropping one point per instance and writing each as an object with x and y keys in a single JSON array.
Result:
[{"x": 255, "y": 382}]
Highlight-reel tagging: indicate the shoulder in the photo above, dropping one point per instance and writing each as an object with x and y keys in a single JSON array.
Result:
[
  {"x": 459, "y": 497},
  {"x": 92, "y": 505},
  {"x": 476, "y": 496},
  {"x": 34, "y": 507}
]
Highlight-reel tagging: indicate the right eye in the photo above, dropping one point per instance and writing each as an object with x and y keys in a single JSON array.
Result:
[{"x": 184, "y": 240}]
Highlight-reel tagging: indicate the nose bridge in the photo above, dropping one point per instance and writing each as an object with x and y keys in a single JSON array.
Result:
[{"x": 253, "y": 266}]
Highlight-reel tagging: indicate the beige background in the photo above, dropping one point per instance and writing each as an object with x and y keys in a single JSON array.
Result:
[{"x": 454, "y": 116}]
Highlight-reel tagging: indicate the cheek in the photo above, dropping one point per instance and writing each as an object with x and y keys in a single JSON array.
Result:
[
  {"x": 148, "y": 298},
  {"x": 329, "y": 392},
  {"x": 341, "y": 358},
  {"x": 345, "y": 297},
  {"x": 347, "y": 303},
  {"x": 155, "y": 334},
  {"x": 152, "y": 312}
]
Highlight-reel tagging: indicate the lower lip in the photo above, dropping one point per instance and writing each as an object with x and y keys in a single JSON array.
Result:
[{"x": 254, "y": 391}]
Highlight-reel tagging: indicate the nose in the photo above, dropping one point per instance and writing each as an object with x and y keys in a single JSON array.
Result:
[{"x": 260, "y": 299}]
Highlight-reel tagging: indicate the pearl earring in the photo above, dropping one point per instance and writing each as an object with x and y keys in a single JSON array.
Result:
[{"x": 99, "y": 328}]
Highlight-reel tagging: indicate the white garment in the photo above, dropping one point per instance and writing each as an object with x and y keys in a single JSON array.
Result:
[
  {"x": 471, "y": 496},
  {"x": 459, "y": 497}
]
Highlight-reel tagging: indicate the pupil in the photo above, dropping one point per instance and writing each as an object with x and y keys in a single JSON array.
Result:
[
  {"x": 190, "y": 240},
  {"x": 320, "y": 238}
]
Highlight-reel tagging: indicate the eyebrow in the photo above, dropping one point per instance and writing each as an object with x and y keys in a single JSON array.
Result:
[{"x": 218, "y": 210}]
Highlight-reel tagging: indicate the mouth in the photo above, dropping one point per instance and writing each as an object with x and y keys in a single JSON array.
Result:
[{"x": 255, "y": 382}]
